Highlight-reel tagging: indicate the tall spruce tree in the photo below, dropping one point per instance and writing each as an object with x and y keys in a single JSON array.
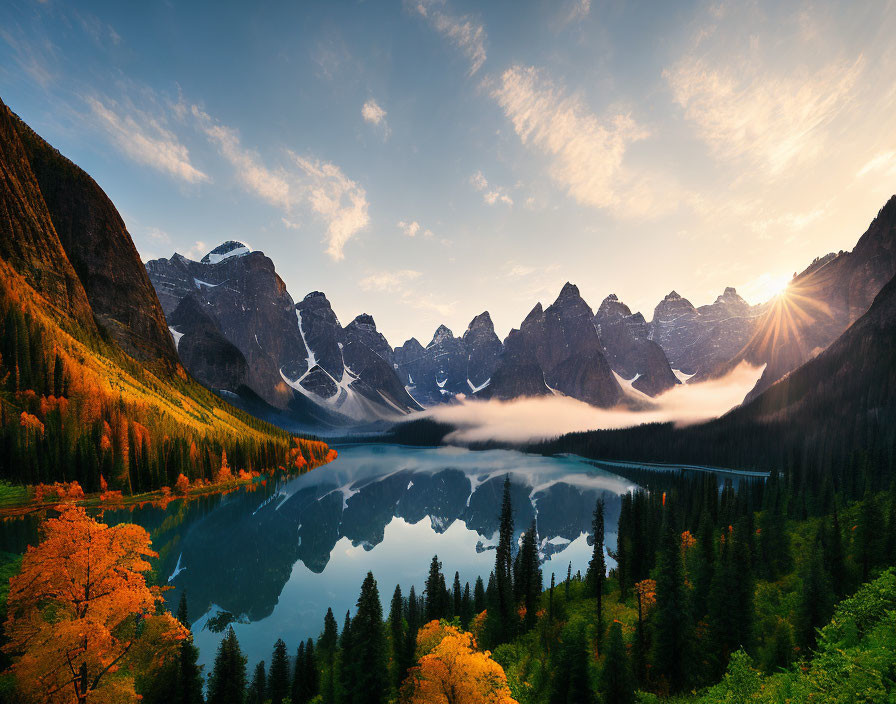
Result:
[
  {"x": 311, "y": 679},
  {"x": 278, "y": 678},
  {"x": 297, "y": 688},
  {"x": 410, "y": 637},
  {"x": 327, "y": 647},
  {"x": 436, "y": 604},
  {"x": 530, "y": 576},
  {"x": 479, "y": 596},
  {"x": 189, "y": 680},
  {"x": 258, "y": 688},
  {"x": 616, "y": 682},
  {"x": 396, "y": 630},
  {"x": 570, "y": 680},
  {"x": 672, "y": 632},
  {"x": 369, "y": 649},
  {"x": 597, "y": 570},
  {"x": 347, "y": 664},
  {"x": 816, "y": 598},
  {"x": 503, "y": 618},
  {"x": 227, "y": 684}
]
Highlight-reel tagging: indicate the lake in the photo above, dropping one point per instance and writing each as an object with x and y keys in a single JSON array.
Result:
[{"x": 270, "y": 560}]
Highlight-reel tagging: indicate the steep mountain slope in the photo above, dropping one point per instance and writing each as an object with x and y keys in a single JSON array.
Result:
[
  {"x": 628, "y": 349},
  {"x": 100, "y": 249},
  {"x": 697, "y": 341},
  {"x": 449, "y": 365},
  {"x": 564, "y": 344},
  {"x": 821, "y": 302},
  {"x": 87, "y": 391}
]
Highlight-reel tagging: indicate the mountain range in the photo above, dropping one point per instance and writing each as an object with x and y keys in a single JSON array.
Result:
[{"x": 239, "y": 330}]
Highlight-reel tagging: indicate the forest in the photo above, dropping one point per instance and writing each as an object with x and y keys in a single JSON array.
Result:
[{"x": 762, "y": 591}]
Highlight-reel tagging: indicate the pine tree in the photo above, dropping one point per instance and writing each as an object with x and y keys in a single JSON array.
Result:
[
  {"x": 597, "y": 569},
  {"x": 258, "y": 689},
  {"x": 466, "y": 607},
  {"x": 189, "y": 680},
  {"x": 297, "y": 688},
  {"x": 396, "y": 627},
  {"x": 867, "y": 535},
  {"x": 278, "y": 678},
  {"x": 616, "y": 683},
  {"x": 570, "y": 681},
  {"x": 410, "y": 645},
  {"x": 672, "y": 625},
  {"x": 834, "y": 556},
  {"x": 816, "y": 599},
  {"x": 311, "y": 678},
  {"x": 227, "y": 684},
  {"x": 479, "y": 596},
  {"x": 326, "y": 648},
  {"x": 369, "y": 646},
  {"x": 456, "y": 596},
  {"x": 503, "y": 618},
  {"x": 530, "y": 576},
  {"x": 346, "y": 663},
  {"x": 436, "y": 605}
]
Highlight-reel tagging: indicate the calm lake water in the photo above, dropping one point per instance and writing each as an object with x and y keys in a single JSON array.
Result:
[{"x": 271, "y": 560}]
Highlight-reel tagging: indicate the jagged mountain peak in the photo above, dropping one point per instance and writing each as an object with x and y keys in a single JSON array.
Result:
[
  {"x": 483, "y": 321},
  {"x": 442, "y": 334},
  {"x": 225, "y": 250},
  {"x": 569, "y": 291},
  {"x": 534, "y": 314},
  {"x": 610, "y": 306},
  {"x": 672, "y": 296},
  {"x": 364, "y": 320}
]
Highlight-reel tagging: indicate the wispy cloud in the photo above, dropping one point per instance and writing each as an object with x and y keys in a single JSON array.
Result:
[
  {"x": 389, "y": 281},
  {"x": 197, "y": 251},
  {"x": 578, "y": 10},
  {"x": 884, "y": 164},
  {"x": 586, "y": 152},
  {"x": 467, "y": 34},
  {"x": 145, "y": 139},
  {"x": 491, "y": 195},
  {"x": 300, "y": 182},
  {"x": 409, "y": 228},
  {"x": 749, "y": 101},
  {"x": 376, "y": 116}
]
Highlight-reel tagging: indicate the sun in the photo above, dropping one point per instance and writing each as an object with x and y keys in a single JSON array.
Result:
[{"x": 770, "y": 286}]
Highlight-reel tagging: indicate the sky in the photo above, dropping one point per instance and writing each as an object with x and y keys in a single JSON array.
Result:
[{"x": 425, "y": 160}]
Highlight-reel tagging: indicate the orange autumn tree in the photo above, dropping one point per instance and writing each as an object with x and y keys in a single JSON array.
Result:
[
  {"x": 450, "y": 670},
  {"x": 80, "y": 613}
]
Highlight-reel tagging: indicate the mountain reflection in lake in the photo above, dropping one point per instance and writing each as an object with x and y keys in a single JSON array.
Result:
[{"x": 274, "y": 559}]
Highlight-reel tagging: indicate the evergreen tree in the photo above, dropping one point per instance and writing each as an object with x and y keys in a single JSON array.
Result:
[
  {"x": 502, "y": 617},
  {"x": 189, "y": 681},
  {"x": 258, "y": 687},
  {"x": 616, "y": 683},
  {"x": 396, "y": 627},
  {"x": 867, "y": 535},
  {"x": 466, "y": 607},
  {"x": 816, "y": 599},
  {"x": 597, "y": 569},
  {"x": 672, "y": 623},
  {"x": 227, "y": 684},
  {"x": 369, "y": 647},
  {"x": 278, "y": 679},
  {"x": 479, "y": 596},
  {"x": 436, "y": 604},
  {"x": 326, "y": 648},
  {"x": 346, "y": 663},
  {"x": 530, "y": 576},
  {"x": 570, "y": 681},
  {"x": 311, "y": 679},
  {"x": 834, "y": 556},
  {"x": 456, "y": 596},
  {"x": 297, "y": 689},
  {"x": 410, "y": 646}
]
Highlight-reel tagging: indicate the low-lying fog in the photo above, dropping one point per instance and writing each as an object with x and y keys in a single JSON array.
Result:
[{"x": 548, "y": 417}]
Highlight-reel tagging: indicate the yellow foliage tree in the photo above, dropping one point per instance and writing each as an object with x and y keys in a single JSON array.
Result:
[
  {"x": 80, "y": 613},
  {"x": 451, "y": 670}
]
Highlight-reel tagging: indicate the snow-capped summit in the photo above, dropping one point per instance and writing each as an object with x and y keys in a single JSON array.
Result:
[{"x": 230, "y": 248}]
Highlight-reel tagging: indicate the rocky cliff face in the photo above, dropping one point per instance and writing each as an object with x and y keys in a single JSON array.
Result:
[
  {"x": 449, "y": 365},
  {"x": 821, "y": 302},
  {"x": 563, "y": 342},
  {"x": 631, "y": 354},
  {"x": 249, "y": 303},
  {"x": 102, "y": 253},
  {"x": 211, "y": 358},
  {"x": 699, "y": 341}
]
